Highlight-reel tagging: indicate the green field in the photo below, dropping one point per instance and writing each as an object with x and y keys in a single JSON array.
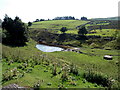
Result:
[
  {"x": 57, "y": 24},
  {"x": 104, "y": 32}
]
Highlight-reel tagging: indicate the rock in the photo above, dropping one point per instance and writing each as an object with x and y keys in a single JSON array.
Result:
[{"x": 108, "y": 57}]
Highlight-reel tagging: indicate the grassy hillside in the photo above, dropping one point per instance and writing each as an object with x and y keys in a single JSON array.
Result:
[
  {"x": 97, "y": 32},
  {"x": 103, "y": 32},
  {"x": 57, "y": 24},
  {"x": 35, "y": 72},
  {"x": 40, "y": 72},
  {"x": 54, "y": 26},
  {"x": 109, "y": 18},
  {"x": 27, "y": 66}
]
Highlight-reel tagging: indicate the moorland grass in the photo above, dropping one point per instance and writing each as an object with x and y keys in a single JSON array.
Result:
[
  {"x": 43, "y": 73},
  {"x": 41, "y": 63},
  {"x": 19, "y": 56}
]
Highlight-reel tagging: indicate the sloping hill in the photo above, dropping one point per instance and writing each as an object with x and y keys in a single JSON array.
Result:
[
  {"x": 57, "y": 24},
  {"x": 109, "y": 18}
]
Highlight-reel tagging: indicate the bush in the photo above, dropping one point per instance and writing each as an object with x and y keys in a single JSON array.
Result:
[
  {"x": 28, "y": 70},
  {"x": 73, "y": 69},
  {"x": 54, "y": 70},
  {"x": 94, "y": 45},
  {"x": 63, "y": 29},
  {"x": 98, "y": 78},
  {"x": 37, "y": 86},
  {"x": 64, "y": 76}
]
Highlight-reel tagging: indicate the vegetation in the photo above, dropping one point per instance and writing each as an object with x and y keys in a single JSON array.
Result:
[
  {"x": 64, "y": 18},
  {"x": 29, "y": 23},
  {"x": 56, "y": 25},
  {"x": 15, "y": 31},
  {"x": 82, "y": 31},
  {"x": 29, "y": 67},
  {"x": 63, "y": 29},
  {"x": 83, "y": 18}
]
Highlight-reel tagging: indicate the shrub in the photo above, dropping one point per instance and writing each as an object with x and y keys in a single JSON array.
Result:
[
  {"x": 64, "y": 76},
  {"x": 73, "y": 83},
  {"x": 63, "y": 29},
  {"x": 98, "y": 78},
  {"x": 37, "y": 86},
  {"x": 28, "y": 70},
  {"x": 19, "y": 67},
  {"x": 14, "y": 72},
  {"x": 94, "y": 45},
  {"x": 73, "y": 69},
  {"x": 6, "y": 76},
  {"x": 54, "y": 70},
  {"x": 10, "y": 62},
  {"x": 60, "y": 86}
]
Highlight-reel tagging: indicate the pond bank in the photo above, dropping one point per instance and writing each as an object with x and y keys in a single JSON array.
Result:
[
  {"x": 56, "y": 47},
  {"x": 61, "y": 46}
]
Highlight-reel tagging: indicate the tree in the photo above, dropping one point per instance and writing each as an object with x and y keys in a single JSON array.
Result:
[
  {"x": 42, "y": 19},
  {"x": 63, "y": 29},
  {"x": 29, "y": 23},
  {"x": 82, "y": 31},
  {"x": 16, "y": 31},
  {"x": 37, "y": 20},
  {"x": 83, "y": 18}
]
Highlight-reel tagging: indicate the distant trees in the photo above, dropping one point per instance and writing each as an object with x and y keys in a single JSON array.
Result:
[
  {"x": 63, "y": 29},
  {"x": 29, "y": 23},
  {"x": 37, "y": 20},
  {"x": 42, "y": 19},
  {"x": 64, "y": 18},
  {"x": 82, "y": 31},
  {"x": 83, "y": 18},
  {"x": 15, "y": 30}
]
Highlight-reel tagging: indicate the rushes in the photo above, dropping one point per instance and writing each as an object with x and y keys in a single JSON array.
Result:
[
  {"x": 99, "y": 79},
  {"x": 73, "y": 69}
]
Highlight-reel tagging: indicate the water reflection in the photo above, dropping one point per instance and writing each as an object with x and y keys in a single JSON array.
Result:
[{"x": 46, "y": 48}]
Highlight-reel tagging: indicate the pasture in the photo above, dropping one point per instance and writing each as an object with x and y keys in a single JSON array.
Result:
[{"x": 27, "y": 66}]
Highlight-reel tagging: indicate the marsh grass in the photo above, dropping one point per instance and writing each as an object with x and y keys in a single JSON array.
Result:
[
  {"x": 98, "y": 78},
  {"x": 28, "y": 60}
]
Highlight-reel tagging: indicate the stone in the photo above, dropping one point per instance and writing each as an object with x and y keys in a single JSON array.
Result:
[{"x": 108, "y": 57}]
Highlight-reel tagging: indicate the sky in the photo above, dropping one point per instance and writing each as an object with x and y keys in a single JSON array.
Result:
[{"x": 30, "y": 10}]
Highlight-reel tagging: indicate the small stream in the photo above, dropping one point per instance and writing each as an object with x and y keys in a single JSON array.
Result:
[{"x": 46, "y": 48}]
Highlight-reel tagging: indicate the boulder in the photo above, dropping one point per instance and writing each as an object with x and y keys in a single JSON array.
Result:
[{"x": 108, "y": 57}]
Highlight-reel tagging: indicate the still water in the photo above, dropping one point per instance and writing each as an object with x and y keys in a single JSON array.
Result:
[{"x": 46, "y": 48}]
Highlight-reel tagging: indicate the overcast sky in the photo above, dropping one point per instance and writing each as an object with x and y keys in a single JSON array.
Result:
[{"x": 29, "y": 10}]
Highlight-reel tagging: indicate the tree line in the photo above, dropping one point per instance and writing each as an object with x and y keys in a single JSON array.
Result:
[{"x": 62, "y": 18}]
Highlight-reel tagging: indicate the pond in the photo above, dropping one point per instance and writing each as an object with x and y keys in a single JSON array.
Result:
[{"x": 46, "y": 48}]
